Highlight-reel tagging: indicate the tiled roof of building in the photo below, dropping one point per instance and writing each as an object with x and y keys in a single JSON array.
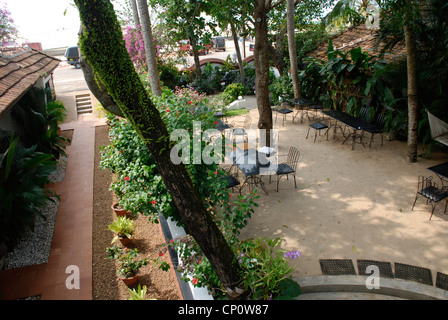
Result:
[
  {"x": 351, "y": 38},
  {"x": 19, "y": 71}
]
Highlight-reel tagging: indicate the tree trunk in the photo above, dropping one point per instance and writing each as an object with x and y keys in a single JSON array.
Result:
[
  {"x": 151, "y": 62},
  {"x": 197, "y": 62},
  {"x": 411, "y": 52},
  {"x": 292, "y": 48},
  {"x": 238, "y": 52},
  {"x": 261, "y": 61},
  {"x": 135, "y": 14},
  {"x": 102, "y": 44}
]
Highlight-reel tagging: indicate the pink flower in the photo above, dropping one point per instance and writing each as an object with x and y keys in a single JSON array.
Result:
[
  {"x": 126, "y": 178},
  {"x": 167, "y": 110},
  {"x": 215, "y": 173},
  {"x": 189, "y": 102},
  {"x": 194, "y": 281},
  {"x": 153, "y": 202}
]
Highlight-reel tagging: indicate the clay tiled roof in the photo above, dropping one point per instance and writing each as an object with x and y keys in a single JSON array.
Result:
[
  {"x": 358, "y": 36},
  {"x": 19, "y": 71}
]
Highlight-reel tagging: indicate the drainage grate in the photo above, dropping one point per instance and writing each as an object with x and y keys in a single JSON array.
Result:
[
  {"x": 385, "y": 268},
  {"x": 412, "y": 273},
  {"x": 442, "y": 281},
  {"x": 83, "y": 103},
  {"x": 334, "y": 267}
]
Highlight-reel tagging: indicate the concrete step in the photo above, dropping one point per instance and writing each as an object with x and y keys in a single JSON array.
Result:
[
  {"x": 355, "y": 288},
  {"x": 83, "y": 104},
  {"x": 346, "y": 296}
]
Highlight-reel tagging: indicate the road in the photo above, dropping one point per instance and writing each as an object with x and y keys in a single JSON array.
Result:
[{"x": 68, "y": 79}]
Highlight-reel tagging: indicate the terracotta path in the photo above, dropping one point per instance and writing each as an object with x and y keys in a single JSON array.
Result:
[{"x": 71, "y": 249}]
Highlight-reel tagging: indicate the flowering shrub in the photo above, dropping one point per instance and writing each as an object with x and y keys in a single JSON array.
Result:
[{"x": 140, "y": 189}]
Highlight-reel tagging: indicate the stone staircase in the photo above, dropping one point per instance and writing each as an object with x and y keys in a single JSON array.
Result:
[{"x": 83, "y": 104}]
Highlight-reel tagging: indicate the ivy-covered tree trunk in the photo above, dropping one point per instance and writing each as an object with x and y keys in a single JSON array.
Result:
[
  {"x": 103, "y": 45},
  {"x": 151, "y": 62},
  {"x": 261, "y": 61}
]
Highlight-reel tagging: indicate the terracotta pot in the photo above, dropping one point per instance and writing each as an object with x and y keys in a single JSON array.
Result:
[
  {"x": 130, "y": 281},
  {"x": 124, "y": 241},
  {"x": 118, "y": 211}
]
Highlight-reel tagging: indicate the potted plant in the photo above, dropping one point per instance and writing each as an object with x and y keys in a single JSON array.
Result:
[
  {"x": 124, "y": 229},
  {"x": 119, "y": 211},
  {"x": 129, "y": 263}
]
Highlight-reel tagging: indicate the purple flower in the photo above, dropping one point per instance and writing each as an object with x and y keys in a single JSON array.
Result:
[{"x": 292, "y": 254}]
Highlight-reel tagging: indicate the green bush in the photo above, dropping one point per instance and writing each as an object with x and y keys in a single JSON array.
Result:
[
  {"x": 23, "y": 175},
  {"x": 233, "y": 91},
  {"x": 169, "y": 75},
  {"x": 281, "y": 89}
]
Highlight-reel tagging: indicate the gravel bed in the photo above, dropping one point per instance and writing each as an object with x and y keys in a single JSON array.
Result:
[{"x": 34, "y": 248}]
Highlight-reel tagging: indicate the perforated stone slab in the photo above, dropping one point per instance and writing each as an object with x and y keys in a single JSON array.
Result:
[
  {"x": 442, "y": 281},
  {"x": 413, "y": 273},
  {"x": 385, "y": 268},
  {"x": 334, "y": 267}
]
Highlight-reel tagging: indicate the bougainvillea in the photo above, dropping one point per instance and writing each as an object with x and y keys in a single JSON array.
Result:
[
  {"x": 8, "y": 31},
  {"x": 136, "y": 47}
]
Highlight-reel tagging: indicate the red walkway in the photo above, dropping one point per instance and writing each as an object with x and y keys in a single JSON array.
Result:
[{"x": 72, "y": 239}]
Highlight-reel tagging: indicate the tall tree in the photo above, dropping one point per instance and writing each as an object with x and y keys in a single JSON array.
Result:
[
  {"x": 103, "y": 45},
  {"x": 261, "y": 61},
  {"x": 135, "y": 14},
  {"x": 150, "y": 50},
  {"x": 404, "y": 15},
  {"x": 187, "y": 22},
  {"x": 292, "y": 48}
]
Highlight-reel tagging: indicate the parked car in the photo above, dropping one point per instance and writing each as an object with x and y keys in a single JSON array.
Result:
[
  {"x": 219, "y": 43},
  {"x": 72, "y": 56}
]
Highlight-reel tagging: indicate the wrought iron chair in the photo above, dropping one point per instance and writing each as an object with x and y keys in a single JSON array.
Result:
[
  {"x": 379, "y": 124},
  {"x": 288, "y": 167},
  {"x": 242, "y": 131},
  {"x": 428, "y": 189}
]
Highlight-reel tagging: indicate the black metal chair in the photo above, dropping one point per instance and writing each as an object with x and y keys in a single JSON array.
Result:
[
  {"x": 288, "y": 167},
  {"x": 379, "y": 124},
  {"x": 284, "y": 112},
  {"x": 242, "y": 131},
  {"x": 317, "y": 126},
  {"x": 428, "y": 189},
  {"x": 231, "y": 182}
]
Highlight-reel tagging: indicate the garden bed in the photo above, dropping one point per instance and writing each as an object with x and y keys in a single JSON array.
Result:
[{"x": 106, "y": 285}]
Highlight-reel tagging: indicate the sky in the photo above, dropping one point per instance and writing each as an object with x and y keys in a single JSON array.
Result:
[{"x": 44, "y": 21}]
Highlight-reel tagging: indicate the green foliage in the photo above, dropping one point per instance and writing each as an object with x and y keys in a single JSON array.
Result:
[
  {"x": 36, "y": 122},
  {"x": 123, "y": 227},
  {"x": 169, "y": 75},
  {"x": 138, "y": 294},
  {"x": 233, "y": 91},
  {"x": 281, "y": 88},
  {"x": 128, "y": 260},
  {"x": 23, "y": 175},
  {"x": 266, "y": 269},
  {"x": 348, "y": 81}
]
